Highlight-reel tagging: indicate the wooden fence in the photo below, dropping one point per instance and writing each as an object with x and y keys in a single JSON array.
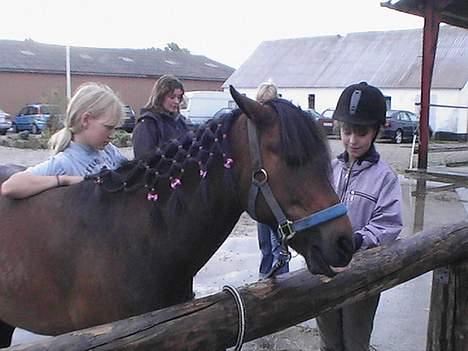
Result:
[{"x": 211, "y": 323}]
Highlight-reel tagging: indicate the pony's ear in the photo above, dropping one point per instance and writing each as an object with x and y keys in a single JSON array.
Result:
[{"x": 255, "y": 111}]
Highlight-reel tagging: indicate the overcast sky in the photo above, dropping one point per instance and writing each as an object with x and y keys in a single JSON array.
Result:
[{"x": 225, "y": 31}]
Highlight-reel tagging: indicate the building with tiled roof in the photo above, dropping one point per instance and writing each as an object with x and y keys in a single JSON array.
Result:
[{"x": 32, "y": 71}]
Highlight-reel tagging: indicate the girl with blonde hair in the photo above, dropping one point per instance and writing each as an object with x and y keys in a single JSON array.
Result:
[
  {"x": 82, "y": 147},
  {"x": 268, "y": 243},
  {"x": 267, "y": 91}
]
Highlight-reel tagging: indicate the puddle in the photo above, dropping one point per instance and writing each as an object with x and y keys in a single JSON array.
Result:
[{"x": 428, "y": 203}]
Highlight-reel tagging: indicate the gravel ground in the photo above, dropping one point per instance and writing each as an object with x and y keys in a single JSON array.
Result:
[
  {"x": 303, "y": 336},
  {"x": 398, "y": 156}
]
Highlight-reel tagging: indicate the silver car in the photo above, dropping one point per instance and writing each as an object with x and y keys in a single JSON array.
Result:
[{"x": 5, "y": 122}]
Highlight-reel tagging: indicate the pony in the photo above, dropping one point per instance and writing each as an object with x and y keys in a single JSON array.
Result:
[{"x": 129, "y": 241}]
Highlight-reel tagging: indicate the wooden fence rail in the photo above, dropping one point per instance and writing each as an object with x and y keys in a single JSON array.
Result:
[{"x": 211, "y": 323}]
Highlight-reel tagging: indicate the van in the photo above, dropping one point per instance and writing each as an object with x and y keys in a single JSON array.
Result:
[{"x": 200, "y": 106}]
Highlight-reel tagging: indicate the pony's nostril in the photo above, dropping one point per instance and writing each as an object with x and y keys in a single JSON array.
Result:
[{"x": 345, "y": 248}]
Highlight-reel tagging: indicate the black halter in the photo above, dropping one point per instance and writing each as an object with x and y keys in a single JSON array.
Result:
[{"x": 286, "y": 228}]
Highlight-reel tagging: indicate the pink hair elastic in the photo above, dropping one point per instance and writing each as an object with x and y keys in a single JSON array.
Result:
[
  {"x": 152, "y": 196},
  {"x": 228, "y": 163},
  {"x": 175, "y": 182}
]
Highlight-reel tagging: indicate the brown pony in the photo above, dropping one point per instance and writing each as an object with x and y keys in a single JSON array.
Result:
[{"x": 130, "y": 241}]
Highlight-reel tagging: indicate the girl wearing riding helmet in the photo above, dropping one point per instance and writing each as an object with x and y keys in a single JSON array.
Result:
[
  {"x": 371, "y": 191},
  {"x": 160, "y": 120},
  {"x": 81, "y": 148}
]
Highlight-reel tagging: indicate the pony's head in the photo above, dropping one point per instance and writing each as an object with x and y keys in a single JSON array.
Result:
[{"x": 285, "y": 180}]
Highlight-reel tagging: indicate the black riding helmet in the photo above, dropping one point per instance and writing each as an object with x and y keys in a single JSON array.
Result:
[{"x": 361, "y": 104}]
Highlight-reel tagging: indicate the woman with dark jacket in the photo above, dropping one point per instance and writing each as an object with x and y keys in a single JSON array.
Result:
[{"x": 160, "y": 120}]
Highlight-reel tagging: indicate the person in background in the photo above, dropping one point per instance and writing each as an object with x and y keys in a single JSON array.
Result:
[
  {"x": 160, "y": 120},
  {"x": 371, "y": 191},
  {"x": 268, "y": 243},
  {"x": 82, "y": 147}
]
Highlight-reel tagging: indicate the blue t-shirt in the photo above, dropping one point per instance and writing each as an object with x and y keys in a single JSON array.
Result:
[{"x": 80, "y": 160}]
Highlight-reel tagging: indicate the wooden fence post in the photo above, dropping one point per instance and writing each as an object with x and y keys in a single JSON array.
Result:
[{"x": 448, "y": 318}]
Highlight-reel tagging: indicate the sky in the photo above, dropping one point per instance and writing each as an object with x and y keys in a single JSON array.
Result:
[{"x": 224, "y": 31}]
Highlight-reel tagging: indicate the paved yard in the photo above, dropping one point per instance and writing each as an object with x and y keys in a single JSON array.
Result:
[
  {"x": 397, "y": 155},
  {"x": 237, "y": 260}
]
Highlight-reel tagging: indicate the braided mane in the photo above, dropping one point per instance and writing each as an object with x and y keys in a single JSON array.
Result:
[
  {"x": 172, "y": 171},
  {"x": 196, "y": 151}
]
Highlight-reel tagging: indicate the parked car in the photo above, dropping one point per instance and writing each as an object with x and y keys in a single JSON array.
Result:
[
  {"x": 222, "y": 111},
  {"x": 400, "y": 126},
  {"x": 325, "y": 121},
  {"x": 34, "y": 117},
  {"x": 129, "y": 119},
  {"x": 200, "y": 106},
  {"x": 5, "y": 122},
  {"x": 328, "y": 113}
]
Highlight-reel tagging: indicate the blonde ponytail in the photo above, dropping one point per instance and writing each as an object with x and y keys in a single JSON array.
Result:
[{"x": 60, "y": 140}]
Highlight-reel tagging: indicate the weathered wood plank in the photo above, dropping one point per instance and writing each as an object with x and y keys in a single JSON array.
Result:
[
  {"x": 211, "y": 323},
  {"x": 460, "y": 331},
  {"x": 448, "y": 318}
]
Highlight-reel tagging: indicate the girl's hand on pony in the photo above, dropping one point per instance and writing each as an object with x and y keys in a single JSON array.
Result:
[{"x": 68, "y": 180}]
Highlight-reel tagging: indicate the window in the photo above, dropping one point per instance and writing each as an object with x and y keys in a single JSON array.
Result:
[
  {"x": 27, "y": 53},
  {"x": 388, "y": 102},
  {"x": 126, "y": 59},
  {"x": 32, "y": 110},
  {"x": 86, "y": 57},
  {"x": 413, "y": 117},
  {"x": 311, "y": 101},
  {"x": 402, "y": 116}
]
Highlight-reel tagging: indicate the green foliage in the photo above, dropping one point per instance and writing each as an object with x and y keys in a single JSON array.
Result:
[
  {"x": 57, "y": 98},
  {"x": 121, "y": 138},
  {"x": 176, "y": 48}
]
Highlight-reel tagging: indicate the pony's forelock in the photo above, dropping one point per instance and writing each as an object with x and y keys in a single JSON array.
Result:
[{"x": 302, "y": 140}]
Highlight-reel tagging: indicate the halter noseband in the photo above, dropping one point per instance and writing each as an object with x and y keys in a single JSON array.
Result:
[{"x": 286, "y": 228}]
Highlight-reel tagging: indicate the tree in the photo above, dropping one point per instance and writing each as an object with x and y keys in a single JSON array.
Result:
[{"x": 176, "y": 48}]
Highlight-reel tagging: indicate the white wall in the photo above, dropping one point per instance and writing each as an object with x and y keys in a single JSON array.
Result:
[
  {"x": 440, "y": 119},
  {"x": 324, "y": 98}
]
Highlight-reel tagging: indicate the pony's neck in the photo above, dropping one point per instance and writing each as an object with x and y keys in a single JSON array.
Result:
[{"x": 205, "y": 223}]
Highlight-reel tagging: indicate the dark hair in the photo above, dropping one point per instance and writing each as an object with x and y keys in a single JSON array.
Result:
[
  {"x": 163, "y": 86},
  {"x": 359, "y": 128}
]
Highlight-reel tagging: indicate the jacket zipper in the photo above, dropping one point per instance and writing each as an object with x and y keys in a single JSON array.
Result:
[{"x": 348, "y": 176}]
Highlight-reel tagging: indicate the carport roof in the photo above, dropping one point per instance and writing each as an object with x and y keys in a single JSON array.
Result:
[
  {"x": 453, "y": 12},
  {"x": 31, "y": 56},
  {"x": 387, "y": 59}
]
